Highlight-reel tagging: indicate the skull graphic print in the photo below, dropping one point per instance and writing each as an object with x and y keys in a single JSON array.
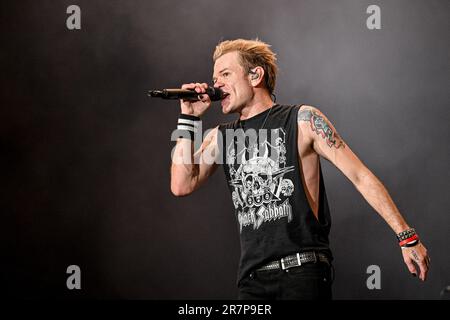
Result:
[{"x": 257, "y": 176}]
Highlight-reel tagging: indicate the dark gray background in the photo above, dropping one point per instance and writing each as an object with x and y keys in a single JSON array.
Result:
[{"x": 85, "y": 155}]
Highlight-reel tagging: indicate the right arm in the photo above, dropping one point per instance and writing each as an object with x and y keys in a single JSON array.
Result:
[
  {"x": 190, "y": 170},
  {"x": 188, "y": 176}
]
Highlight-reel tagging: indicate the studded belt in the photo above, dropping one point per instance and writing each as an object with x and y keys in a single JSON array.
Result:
[{"x": 295, "y": 260}]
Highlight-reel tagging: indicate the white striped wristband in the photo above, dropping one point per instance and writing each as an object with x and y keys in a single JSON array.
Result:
[{"x": 188, "y": 126}]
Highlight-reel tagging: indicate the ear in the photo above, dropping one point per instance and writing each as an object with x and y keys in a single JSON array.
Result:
[{"x": 256, "y": 76}]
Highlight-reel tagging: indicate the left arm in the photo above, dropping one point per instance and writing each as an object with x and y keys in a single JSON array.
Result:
[{"x": 326, "y": 142}]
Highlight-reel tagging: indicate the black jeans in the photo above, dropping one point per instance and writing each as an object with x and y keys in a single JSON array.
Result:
[{"x": 311, "y": 281}]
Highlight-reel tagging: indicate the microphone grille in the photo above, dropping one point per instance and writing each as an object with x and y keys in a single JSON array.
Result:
[{"x": 215, "y": 94}]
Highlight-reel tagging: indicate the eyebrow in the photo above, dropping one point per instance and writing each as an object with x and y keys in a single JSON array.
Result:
[{"x": 214, "y": 78}]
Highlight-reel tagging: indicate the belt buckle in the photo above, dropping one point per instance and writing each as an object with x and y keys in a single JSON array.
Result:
[{"x": 283, "y": 267}]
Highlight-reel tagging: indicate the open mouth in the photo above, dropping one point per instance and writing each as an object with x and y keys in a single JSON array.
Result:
[
  {"x": 225, "y": 99},
  {"x": 225, "y": 95}
]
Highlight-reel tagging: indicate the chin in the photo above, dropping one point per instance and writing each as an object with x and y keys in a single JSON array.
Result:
[{"x": 226, "y": 109}]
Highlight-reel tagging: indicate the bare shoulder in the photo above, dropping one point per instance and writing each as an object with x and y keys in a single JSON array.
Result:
[
  {"x": 315, "y": 125},
  {"x": 305, "y": 138},
  {"x": 305, "y": 120},
  {"x": 307, "y": 112}
]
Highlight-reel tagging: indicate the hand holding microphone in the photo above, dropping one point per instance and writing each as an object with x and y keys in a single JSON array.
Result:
[
  {"x": 195, "y": 98},
  {"x": 196, "y": 108}
]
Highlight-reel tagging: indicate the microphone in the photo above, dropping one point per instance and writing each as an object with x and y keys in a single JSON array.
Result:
[{"x": 215, "y": 94}]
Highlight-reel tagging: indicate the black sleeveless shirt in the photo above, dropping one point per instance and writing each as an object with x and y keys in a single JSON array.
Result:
[{"x": 263, "y": 174}]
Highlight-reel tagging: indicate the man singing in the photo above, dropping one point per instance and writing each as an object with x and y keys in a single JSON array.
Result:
[{"x": 271, "y": 158}]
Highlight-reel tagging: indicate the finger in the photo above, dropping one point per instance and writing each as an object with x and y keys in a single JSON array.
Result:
[
  {"x": 188, "y": 86},
  {"x": 204, "y": 97},
  {"x": 411, "y": 267},
  {"x": 199, "y": 88},
  {"x": 423, "y": 271},
  {"x": 427, "y": 261}
]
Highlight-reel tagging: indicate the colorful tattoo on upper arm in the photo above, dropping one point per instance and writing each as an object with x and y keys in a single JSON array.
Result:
[{"x": 321, "y": 127}]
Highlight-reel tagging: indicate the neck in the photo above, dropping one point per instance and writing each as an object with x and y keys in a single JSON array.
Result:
[{"x": 260, "y": 102}]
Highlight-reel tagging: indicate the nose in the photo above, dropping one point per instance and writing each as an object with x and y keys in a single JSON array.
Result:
[{"x": 218, "y": 84}]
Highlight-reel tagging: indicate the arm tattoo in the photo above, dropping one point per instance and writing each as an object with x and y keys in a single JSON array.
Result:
[{"x": 321, "y": 127}]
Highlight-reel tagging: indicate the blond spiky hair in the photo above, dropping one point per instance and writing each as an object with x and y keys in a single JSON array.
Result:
[{"x": 253, "y": 53}]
